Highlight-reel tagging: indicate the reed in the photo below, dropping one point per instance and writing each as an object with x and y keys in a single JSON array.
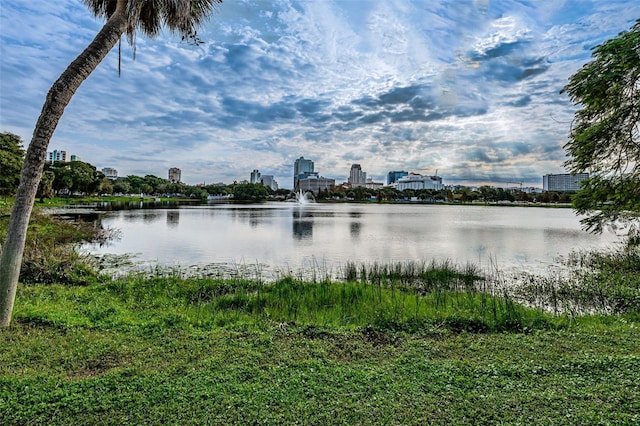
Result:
[
  {"x": 590, "y": 283},
  {"x": 421, "y": 297}
]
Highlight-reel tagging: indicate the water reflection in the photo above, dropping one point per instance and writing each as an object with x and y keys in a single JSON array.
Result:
[
  {"x": 173, "y": 218},
  {"x": 113, "y": 206},
  {"x": 253, "y": 216},
  {"x": 337, "y": 233},
  {"x": 354, "y": 229},
  {"x": 302, "y": 224},
  {"x": 150, "y": 216}
]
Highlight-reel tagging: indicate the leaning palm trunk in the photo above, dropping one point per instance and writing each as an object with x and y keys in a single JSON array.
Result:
[{"x": 57, "y": 99}]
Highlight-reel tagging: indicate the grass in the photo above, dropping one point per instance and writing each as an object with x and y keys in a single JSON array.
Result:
[
  {"x": 154, "y": 303},
  {"x": 407, "y": 343},
  {"x": 168, "y": 350}
]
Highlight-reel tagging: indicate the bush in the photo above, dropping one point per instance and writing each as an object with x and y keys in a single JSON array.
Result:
[{"x": 50, "y": 256}]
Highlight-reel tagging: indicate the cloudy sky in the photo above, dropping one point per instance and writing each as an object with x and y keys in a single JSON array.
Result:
[{"x": 469, "y": 88}]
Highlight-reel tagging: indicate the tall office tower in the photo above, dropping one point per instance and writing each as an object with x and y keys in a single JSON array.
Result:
[
  {"x": 301, "y": 167},
  {"x": 175, "y": 174},
  {"x": 356, "y": 176},
  {"x": 255, "y": 176}
]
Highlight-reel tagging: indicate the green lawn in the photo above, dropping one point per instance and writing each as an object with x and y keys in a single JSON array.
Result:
[{"x": 166, "y": 351}]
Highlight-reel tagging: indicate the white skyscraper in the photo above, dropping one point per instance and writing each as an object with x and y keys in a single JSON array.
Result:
[
  {"x": 255, "y": 176},
  {"x": 356, "y": 176}
]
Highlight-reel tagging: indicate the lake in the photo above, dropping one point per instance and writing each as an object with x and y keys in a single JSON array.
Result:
[{"x": 290, "y": 237}]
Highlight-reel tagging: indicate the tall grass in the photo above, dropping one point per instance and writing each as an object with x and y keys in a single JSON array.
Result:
[
  {"x": 50, "y": 255},
  {"x": 409, "y": 297},
  {"x": 591, "y": 282}
]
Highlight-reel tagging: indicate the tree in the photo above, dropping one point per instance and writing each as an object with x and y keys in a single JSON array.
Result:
[
  {"x": 122, "y": 17},
  {"x": 62, "y": 179},
  {"x": 604, "y": 139},
  {"x": 85, "y": 178},
  {"x": 11, "y": 158},
  {"x": 250, "y": 192},
  {"x": 121, "y": 186},
  {"x": 106, "y": 186}
]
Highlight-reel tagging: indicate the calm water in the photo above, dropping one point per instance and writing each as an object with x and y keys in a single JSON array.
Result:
[{"x": 291, "y": 237}]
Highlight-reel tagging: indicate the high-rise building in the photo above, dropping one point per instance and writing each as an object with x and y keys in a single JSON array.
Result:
[
  {"x": 356, "y": 176},
  {"x": 393, "y": 176},
  {"x": 301, "y": 167},
  {"x": 58, "y": 156},
  {"x": 563, "y": 182},
  {"x": 175, "y": 174},
  {"x": 268, "y": 180},
  {"x": 255, "y": 176},
  {"x": 110, "y": 173}
]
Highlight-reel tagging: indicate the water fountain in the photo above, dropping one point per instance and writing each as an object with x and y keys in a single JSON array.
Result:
[{"x": 304, "y": 197}]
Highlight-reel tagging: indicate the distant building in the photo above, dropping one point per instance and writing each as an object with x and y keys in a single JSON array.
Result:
[
  {"x": 393, "y": 176},
  {"x": 311, "y": 181},
  {"x": 372, "y": 185},
  {"x": 255, "y": 176},
  {"x": 58, "y": 156},
  {"x": 531, "y": 190},
  {"x": 301, "y": 167},
  {"x": 563, "y": 182},
  {"x": 356, "y": 176},
  {"x": 417, "y": 181},
  {"x": 175, "y": 174},
  {"x": 110, "y": 173},
  {"x": 268, "y": 180}
]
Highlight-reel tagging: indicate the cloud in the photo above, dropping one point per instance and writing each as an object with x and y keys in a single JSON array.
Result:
[{"x": 468, "y": 88}]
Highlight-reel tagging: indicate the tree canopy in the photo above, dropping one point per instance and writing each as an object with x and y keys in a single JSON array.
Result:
[
  {"x": 11, "y": 158},
  {"x": 249, "y": 192},
  {"x": 604, "y": 140}
]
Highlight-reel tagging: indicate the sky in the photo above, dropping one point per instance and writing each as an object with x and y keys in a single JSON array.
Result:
[{"x": 469, "y": 89}]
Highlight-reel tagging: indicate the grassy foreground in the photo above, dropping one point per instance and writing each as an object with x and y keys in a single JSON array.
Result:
[
  {"x": 400, "y": 344},
  {"x": 174, "y": 351}
]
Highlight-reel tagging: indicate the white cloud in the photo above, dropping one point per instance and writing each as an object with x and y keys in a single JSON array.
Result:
[{"x": 470, "y": 88}]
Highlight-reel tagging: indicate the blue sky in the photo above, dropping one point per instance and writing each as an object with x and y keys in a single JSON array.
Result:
[{"x": 469, "y": 88}]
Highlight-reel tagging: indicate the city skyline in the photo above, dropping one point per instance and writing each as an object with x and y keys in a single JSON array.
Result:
[{"x": 471, "y": 89}]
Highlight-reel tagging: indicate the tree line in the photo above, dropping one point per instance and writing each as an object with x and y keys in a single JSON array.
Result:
[
  {"x": 82, "y": 179},
  {"x": 78, "y": 178},
  {"x": 486, "y": 194}
]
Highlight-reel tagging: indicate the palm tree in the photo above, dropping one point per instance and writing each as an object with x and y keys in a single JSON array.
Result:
[{"x": 123, "y": 17}]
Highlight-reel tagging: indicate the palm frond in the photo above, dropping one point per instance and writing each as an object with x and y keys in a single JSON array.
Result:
[{"x": 150, "y": 16}]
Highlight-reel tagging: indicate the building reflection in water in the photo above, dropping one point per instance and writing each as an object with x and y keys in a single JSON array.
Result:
[
  {"x": 150, "y": 216},
  {"x": 302, "y": 224},
  {"x": 255, "y": 217},
  {"x": 354, "y": 229},
  {"x": 173, "y": 218},
  {"x": 356, "y": 225}
]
